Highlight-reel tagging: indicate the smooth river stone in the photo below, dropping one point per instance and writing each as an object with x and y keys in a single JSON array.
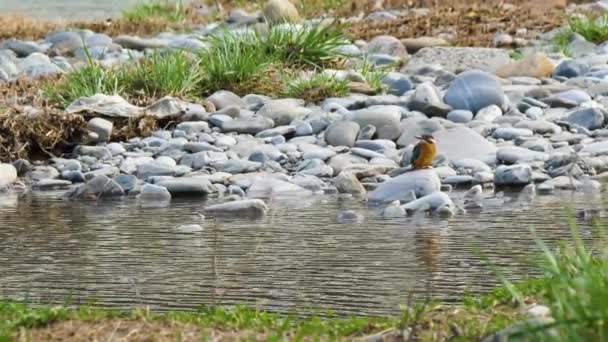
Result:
[
  {"x": 473, "y": 90},
  {"x": 421, "y": 182}
]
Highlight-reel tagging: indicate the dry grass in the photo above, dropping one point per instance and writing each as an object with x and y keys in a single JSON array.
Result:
[
  {"x": 474, "y": 25},
  {"x": 112, "y": 330},
  {"x": 19, "y": 26}
]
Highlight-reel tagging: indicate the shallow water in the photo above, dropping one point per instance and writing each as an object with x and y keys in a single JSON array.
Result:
[
  {"x": 299, "y": 258},
  {"x": 67, "y": 9}
]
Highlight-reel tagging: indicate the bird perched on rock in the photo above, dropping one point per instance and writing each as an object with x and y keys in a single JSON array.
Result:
[{"x": 424, "y": 152}]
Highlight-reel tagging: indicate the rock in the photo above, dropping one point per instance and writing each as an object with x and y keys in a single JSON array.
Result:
[
  {"x": 126, "y": 182},
  {"x": 394, "y": 210},
  {"x": 539, "y": 311},
  {"x": 22, "y": 166},
  {"x": 568, "y": 98},
  {"x": 387, "y": 45},
  {"x": 510, "y": 133},
  {"x": 8, "y": 175},
  {"x": 42, "y": 172},
  {"x": 193, "y": 127},
  {"x": 315, "y": 167},
  {"x": 22, "y": 48},
  {"x": 473, "y": 90},
  {"x": 536, "y": 65},
  {"x": 101, "y": 127},
  {"x": 251, "y": 125},
  {"x": 97, "y": 152},
  {"x": 166, "y": 108},
  {"x": 489, "y": 114},
  {"x": 275, "y": 188},
  {"x": 350, "y": 216},
  {"x": 589, "y": 118},
  {"x": 570, "y": 69},
  {"x": 154, "y": 169},
  {"x": 427, "y": 99},
  {"x": 596, "y": 149},
  {"x": 415, "y": 126},
  {"x": 137, "y": 43},
  {"x": 514, "y": 331},
  {"x": 154, "y": 193},
  {"x": 280, "y": 11},
  {"x": 460, "y": 116},
  {"x": 397, "y": 83},
  {"x": 348, "y": 183},
  {"x": 430, "y": 202},
  {"x": 452, "y": 142},
  {"x": 108, "y": 105},
  {"x": 503, "y": 40},
  {"x": 519, "y": 174},
  {"x": 342, "y": 133},
  {"x": 413, "y": 45},
  {"x": 515, "y": 154},
  {"x": 456, "y": 59},
  {"x": 422, "y": 182},
  {"x": 280, "y": 130},
  {"x": 223, "y": 98},
  {"x": 254, "y": 208},
  {"x": 51, "y": 184},
  {"x": 384, "y": 118},
  {"x": 284, "y": 111},
  {"x": 187, "y": 186},
  {"x": 38, "y": 65},
  {"x": 96, "y": 188}
]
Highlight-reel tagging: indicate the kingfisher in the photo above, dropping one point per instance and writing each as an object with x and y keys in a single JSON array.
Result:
[{"x": 424, "y": 152}]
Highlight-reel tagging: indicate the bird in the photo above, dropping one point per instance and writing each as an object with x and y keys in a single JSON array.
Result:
[{"x": 424, "y": 152}]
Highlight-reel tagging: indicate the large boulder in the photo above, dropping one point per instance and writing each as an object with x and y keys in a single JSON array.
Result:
[
  {"x": 473, "y": 90},
  {"x": 421, "y": 182},
  {"x": 464, "y": 143},
  {"x": 385, "y": 118}
]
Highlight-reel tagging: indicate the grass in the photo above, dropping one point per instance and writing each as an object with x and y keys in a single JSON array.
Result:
[
  {"x": 574, "y": 286},
  {"x": 316, "y": 88},
  {"x": 373, "y": 76},
  {"x": 171, "y": 11},
  {"x": 308, "y": 46},
  {"x": 87, "y": 81},
  {"x": 174, "y": 73},
  {"x": 233, "y": 62},
  {"x": 243, "y": 63},
  {"x": 593, "y": 28}
]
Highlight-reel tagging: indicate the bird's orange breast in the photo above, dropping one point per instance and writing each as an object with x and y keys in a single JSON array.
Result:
[{"x": 427, "y": 155}]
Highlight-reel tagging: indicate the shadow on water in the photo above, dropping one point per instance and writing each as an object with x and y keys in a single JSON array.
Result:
[{"x": 299, "y": 258}]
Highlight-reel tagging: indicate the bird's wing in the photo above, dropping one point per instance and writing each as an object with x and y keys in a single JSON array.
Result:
[{"x": 415, "y": 154}]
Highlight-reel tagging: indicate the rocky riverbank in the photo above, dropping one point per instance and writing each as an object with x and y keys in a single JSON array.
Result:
[{"x": 537, "y": 121}]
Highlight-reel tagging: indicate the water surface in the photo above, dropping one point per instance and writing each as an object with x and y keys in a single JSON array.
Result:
[
  {"x": 67, "y": 9},
  {"x": 123, "y": 254}
]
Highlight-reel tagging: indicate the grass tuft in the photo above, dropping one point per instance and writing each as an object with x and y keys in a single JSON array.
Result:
[
  {"x": 232, "y": 61},
  {"x": 87, "y": 81},
  {"x": 316, "y": 88},
  {"x": 307, "y": 46},
  {"x": 171, "y": 11},
  {"x": 594, "y": 28},
  {"x": 175, "y": 73}
]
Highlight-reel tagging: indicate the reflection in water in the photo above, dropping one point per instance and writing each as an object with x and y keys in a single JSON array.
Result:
[{"x": 299, "y": 258}]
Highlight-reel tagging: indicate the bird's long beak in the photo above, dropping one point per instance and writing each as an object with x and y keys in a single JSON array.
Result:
[{"x": 418, "y": 137}]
